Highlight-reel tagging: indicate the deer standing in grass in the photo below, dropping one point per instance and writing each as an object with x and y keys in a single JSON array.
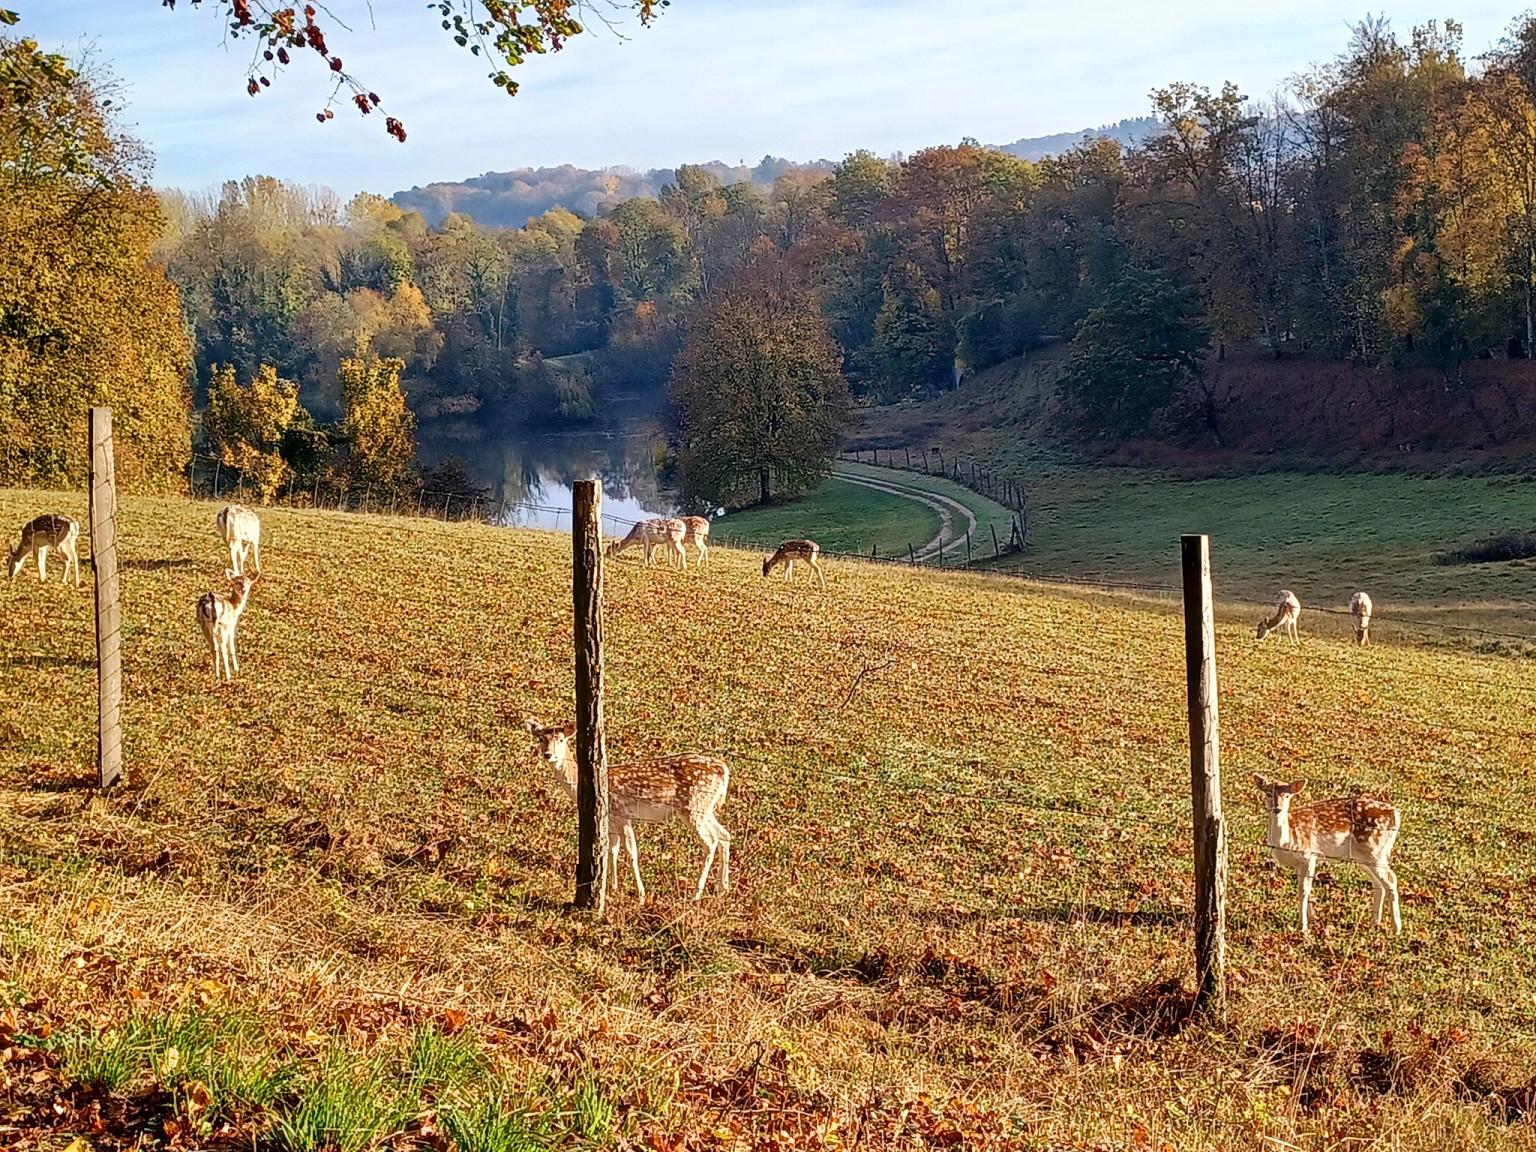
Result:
[
  {"x": 1360, "y": 829},
  {"x": 792, "y": 550},
  {"x": 218, "y": 613},
  {"x": 688, "y": 788},
  {"x": 1287, "y": 613},
  {"x": 240, "y": 528},
  {"x": 696, "y": 532},
  {"x": 37, "y": 536},
  {"x": 1360, "y": 607},
  {"x": 662, "y": 532}
]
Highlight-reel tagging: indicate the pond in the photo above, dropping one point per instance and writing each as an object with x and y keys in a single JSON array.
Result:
[{"x": 532, "y": 472}]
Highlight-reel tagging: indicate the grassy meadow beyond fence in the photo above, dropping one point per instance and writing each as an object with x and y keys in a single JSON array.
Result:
[{"x": 327, "y": 908}]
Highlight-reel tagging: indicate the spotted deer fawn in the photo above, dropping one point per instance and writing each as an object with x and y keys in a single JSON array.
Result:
[
  {"x": 696, "y": 532},
  {"x": 218, "y": 613},
  {"x": 241, "y": 530},
  {"x": 662, "y": 532},
  {"x": 1361, "y": 829},
  {"x": 688, "y": 788},
  {"x": 1360, "y": 608},
  {"x": 37, "y": 536},
  {"x": 1287, "y": 612},
  {"x": 792, "y": 550}
]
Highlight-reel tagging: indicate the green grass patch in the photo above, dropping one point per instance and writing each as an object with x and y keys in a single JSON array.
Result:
[{"x": 840, "y": 516}]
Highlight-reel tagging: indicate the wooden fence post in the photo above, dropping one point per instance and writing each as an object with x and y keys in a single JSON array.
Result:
[
  {"x": 911, "y": 556},
  {"x": 109, "y": 653},
  {"x": 1205, "y": 777},
  {"x": 591, "y": 749},
  {"x": 908, "y": 454},
  {"x": 997, "y": 552},
  {"x": 967, "y": 547}
]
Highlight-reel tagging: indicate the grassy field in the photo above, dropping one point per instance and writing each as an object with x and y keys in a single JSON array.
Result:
[
  {"x": 1323, "y": 535},
  {"x": 326, "y": 911},
  {"x": 843, "y": 516}
]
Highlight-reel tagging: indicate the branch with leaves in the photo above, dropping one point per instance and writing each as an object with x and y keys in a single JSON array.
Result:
[{"x": 505, "y": 32}]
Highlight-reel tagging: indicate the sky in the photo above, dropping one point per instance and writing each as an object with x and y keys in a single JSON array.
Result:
[{"x": 728, "y": 80}]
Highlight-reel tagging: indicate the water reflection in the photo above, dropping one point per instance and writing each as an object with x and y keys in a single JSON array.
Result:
[{"x": 532, "y": 473}]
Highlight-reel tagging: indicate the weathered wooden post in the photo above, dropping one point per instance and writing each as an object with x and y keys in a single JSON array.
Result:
[
  {"x": 911, "y": 556},
  {"x": 109, "y": 653},
  {"x": 1205, "y": 777},
  {"x": 967, "y": 547},
  {"x": 591, "y": 750},
  {"x": 907, "y": 452},
  {"x": 997, "y": 553}
]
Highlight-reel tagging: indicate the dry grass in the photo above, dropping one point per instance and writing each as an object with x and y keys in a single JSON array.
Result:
[{"x": 961, "y": 851}]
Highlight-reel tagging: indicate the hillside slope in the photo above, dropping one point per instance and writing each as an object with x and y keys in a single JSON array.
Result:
[{"x": 327, "y": 906}]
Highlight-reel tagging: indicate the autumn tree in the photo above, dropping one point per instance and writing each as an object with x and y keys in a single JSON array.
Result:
[
  {"x": 380, "y": 430},
  {"x": 87, "y": 315},
  {"x": 757, "y": 392},
  {"x": 1134, "y": 352},
  {"x": 248, "y": 425}
]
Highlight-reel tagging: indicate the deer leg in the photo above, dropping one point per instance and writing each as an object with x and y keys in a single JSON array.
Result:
[
  {"x": 789, "y": 571},
  {"x": 703, "y": 554},
  {"x": 1306, "y": 897},
  {"x": 42, "y": 564},
  {"x": 256, "y": 555},
  {"x": 706, "y": 833},
  {"x": 820, "y": 578},
  {"x": 634, "y": 859},
  {"x": 611, "y": 865},
  {"x": 723, "y": 838},
  {"x": 1397, "y": 914},
  {"x": 74, "y": 558}
]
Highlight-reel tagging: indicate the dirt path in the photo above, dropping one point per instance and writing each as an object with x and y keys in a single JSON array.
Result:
[{"x": 949, "y": 509}]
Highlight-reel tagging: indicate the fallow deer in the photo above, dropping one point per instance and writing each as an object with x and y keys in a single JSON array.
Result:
[
  {"x": 1287, "y": 613},
  {"x": 792, "y": 550},
  {"x": 218, "y": 613},
  {"x": 662, "y": 532},
  {"x": 1360, "y": 607},
  {"x": 37, "y": 536},
  {"x": 1361, "y": 829},
  {"x": 696, "y": 532},
  {"x": 688, "y": 788},
  {"x": 240, "y": 528}
]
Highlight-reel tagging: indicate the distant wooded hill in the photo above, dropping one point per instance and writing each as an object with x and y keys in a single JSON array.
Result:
[
  {"x": 1126, "y": 132},
  {"x": 511, "y": 199}
]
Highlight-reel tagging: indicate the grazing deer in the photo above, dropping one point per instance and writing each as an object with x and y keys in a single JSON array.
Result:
[
  {"x": 792, "y": 550},
  {"x": 696, "y": 532},
  {"x": 241, "y": 530},
  {"x": 218, "y": 613},
  {"x": 1360, "y": 608},
  {"x": 1359, "y": 829},
  {"x": 688, "y": 788},
  {"x": 1287, "y": 612},
  {"x": 662, "y": 532},
  {"x": 37, "y": 536}
]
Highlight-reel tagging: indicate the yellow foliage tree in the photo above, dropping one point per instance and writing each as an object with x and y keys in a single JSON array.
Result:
[
  {"x": 87, "y": 316},
  {"x": 246, "y": 425},
  {"x": 380, "y": 430}
]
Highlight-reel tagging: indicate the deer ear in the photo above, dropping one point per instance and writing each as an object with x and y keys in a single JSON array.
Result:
[
  {"x": 1260, "y": 782},
  {"x": 531, "y": 725},
  {"x": 569, "y": 728},
  {"x": 1296, "y": 785}
]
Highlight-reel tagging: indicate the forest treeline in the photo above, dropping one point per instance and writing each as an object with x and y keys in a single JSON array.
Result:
[{"x": 1381, "y": 211}]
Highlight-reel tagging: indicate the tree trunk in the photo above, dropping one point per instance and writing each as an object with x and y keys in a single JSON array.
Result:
[{"x": 764, "y": 496}]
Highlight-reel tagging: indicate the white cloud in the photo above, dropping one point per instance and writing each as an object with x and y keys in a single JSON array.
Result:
[{"x": 713, "y": 79}]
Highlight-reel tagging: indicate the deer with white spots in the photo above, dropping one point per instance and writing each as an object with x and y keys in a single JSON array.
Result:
[
  {"x": 696, "y": 532},
  {"x": 1360, "y": 829},
  {"x": 1360, "y": 607},
  {"x": 663, "y": 532},
  {"x": 689, "y": 789},
  {"x": 240, "y": 529},
  {"x": 59, "y": 533},
  {"x": 1287, "y": 613},
  {"x": 792, "y": 550}
]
